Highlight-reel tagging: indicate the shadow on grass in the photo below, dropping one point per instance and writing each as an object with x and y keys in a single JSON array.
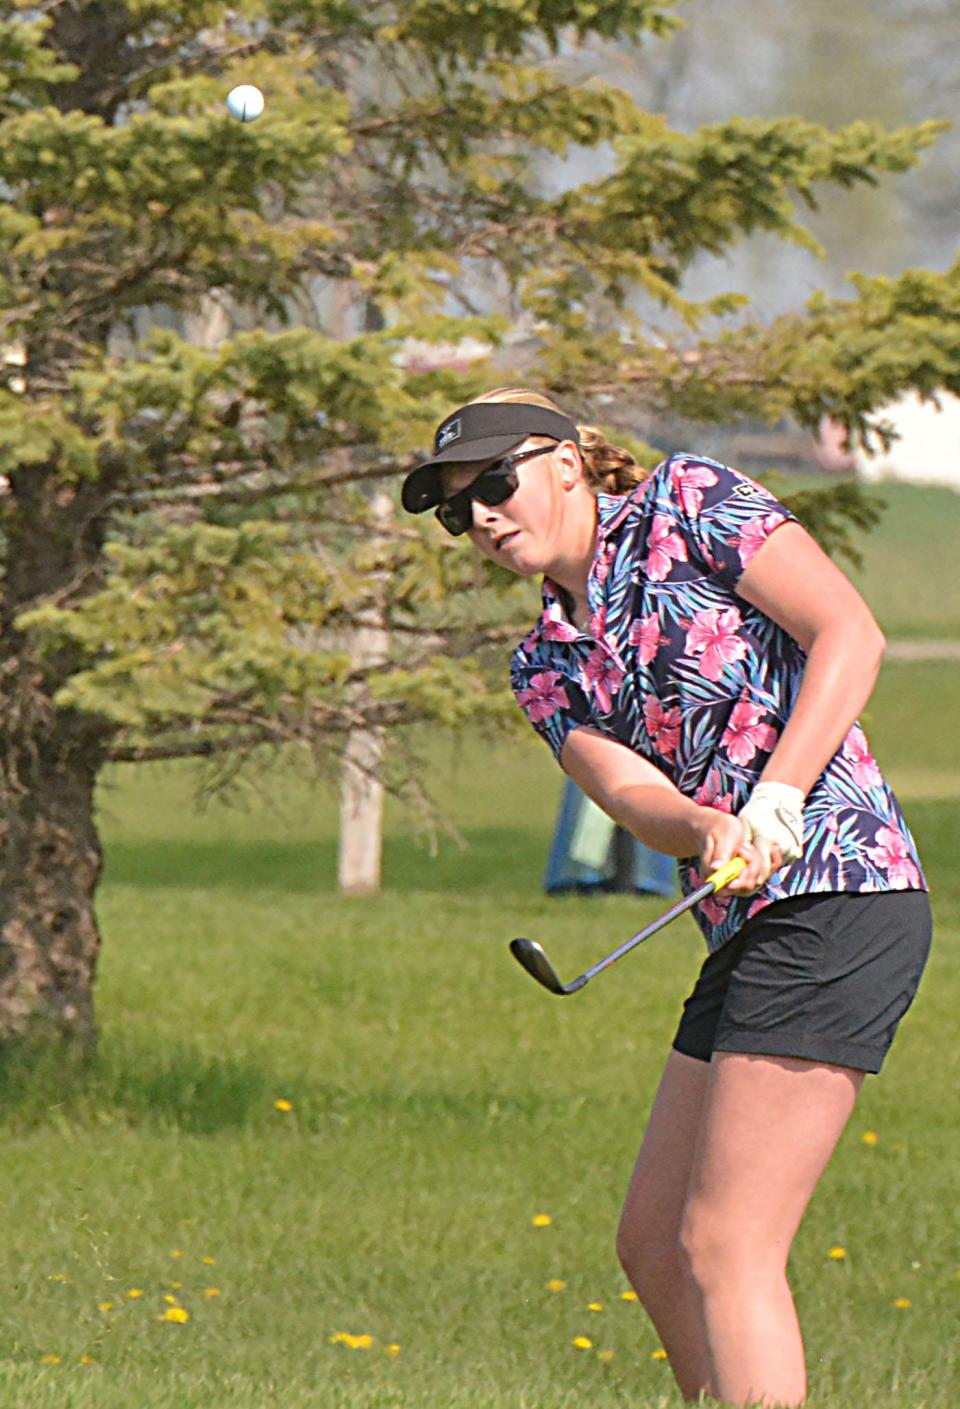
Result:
[
  {"x": 182, "y": 1089},
  {"x": 122, "y": 1084},
  {"x": 510, "y": 858}
]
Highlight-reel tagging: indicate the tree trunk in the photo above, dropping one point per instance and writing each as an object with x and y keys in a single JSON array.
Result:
[
  {"x": 208, "y": 324},
  {"x": 361, "y": 795},
  {"x": 50, "y": 864},
  {"x": 50, "y": 856},
  {"x": 361, "y": 814}
]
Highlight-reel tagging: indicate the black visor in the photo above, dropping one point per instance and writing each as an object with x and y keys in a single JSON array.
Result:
[{"x": 484, "y": 430}]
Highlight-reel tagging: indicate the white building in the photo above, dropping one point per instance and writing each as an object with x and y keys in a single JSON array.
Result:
[{"x": 927, "y": 450}]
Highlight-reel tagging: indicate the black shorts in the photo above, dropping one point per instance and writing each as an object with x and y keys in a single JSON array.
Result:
[{"x": 827, "y": 977}]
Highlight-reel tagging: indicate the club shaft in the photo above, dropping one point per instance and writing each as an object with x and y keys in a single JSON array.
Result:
[{"x": 681, "y": 906}]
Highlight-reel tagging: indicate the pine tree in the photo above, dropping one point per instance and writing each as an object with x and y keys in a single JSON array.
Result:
[{"x": 187, "y": 547}]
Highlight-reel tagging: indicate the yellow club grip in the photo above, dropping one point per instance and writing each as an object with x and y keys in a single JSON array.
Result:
[{"x": 726, "y": 873}]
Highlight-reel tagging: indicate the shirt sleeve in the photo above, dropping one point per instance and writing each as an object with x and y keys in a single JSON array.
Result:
[
  {"x": 552, "y": 698},
  {"x": 723, "y": 516}
]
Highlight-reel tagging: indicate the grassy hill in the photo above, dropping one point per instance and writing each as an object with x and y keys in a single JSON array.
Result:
[
  {"x": 433, "y": 1101},
  {"x": 910, "y": 574}
]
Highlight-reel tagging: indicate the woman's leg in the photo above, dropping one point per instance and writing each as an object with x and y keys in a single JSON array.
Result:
[
  {"x": 648, "y": 1238},
  {"x": 768, "y": 1127}
]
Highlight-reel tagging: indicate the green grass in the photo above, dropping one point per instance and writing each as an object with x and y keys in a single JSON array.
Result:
[
  {"x": 909, "y": 574},
  {"x": 439, "y": 1101}
]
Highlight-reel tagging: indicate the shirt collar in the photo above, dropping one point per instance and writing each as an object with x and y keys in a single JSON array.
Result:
[
  {"x": 613, "y": 509},
  {"x": 612, "y": 512}
]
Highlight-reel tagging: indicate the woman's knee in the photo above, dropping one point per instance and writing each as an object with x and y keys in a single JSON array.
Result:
[
  {"x": 650, "y": 1258},
  {"x": 714, "y": 1249}
]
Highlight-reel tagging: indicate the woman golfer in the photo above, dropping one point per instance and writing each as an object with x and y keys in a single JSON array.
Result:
[{"x": 698, "y": 669}]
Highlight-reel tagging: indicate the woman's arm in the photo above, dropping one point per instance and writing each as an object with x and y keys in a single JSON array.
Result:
[
  {"x": 793, "y": 582},
  {"x": 638, "y": 796}
]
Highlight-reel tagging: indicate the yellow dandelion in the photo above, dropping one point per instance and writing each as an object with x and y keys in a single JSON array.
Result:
[
  {"x": 87, "y": 1360},
  {"x": 629, "y": 1296},
  {"x": 391, "y": 1349},
  {"x": 838, "y": 1254},
  {"x": 556, "y": 1284},
  {"x": 106, "y": 1306},
  {"x": 212, "y": 1291},
  {"x": 903, "y": 1303},
  {"x": 170, "y": 1299},
  {"x": 870, "y": 1137},
  {"x": 50, "y": 1360},
  {"x": 59, "y": 1277},
  {"x": 209, "y": 1261},
  {"x": 604, "y": 1354},
  {"x": 583, "y": 1342},
  {"x": 659, "y": 1355},
  {"x": 595, "y": 1306},
  {"x": 134, "y": 1293},
  {"x": 176, "y": 1252},
  {"x": 363, "y": 1342},
  {"x": 178, "y": 1314},
  {"x": 542, "y": 1220},
  {"x": 283, "y": 1105}
]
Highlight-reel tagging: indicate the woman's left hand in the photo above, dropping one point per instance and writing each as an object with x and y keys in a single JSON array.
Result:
[{"x": 722, "y": 837}]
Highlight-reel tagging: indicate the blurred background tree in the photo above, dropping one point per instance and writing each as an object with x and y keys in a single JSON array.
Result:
[{"x": 225, "y": 342}]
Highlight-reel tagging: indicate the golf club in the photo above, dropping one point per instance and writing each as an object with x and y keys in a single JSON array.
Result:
[{"x": 530, "y": 954}]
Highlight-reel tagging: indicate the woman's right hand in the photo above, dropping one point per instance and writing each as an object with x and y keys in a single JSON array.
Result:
[{"x": 720, "y": 838}]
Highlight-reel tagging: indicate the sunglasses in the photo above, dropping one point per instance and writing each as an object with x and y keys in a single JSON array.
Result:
[{"x": 493, "y": 486}]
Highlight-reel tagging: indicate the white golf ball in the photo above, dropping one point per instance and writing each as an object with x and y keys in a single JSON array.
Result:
[{"x": 245, "y": 102}]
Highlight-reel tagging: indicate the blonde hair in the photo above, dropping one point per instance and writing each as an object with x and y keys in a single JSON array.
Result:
[{"x": 608, "y": 469}]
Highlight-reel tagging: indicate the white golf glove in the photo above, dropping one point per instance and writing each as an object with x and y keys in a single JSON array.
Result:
[{"x": 773, "y": 816}]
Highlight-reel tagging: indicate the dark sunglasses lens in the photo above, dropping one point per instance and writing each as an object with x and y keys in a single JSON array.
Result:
[
  {"x": 494, "y": 486},
  {"x": 456, "y": 518}
]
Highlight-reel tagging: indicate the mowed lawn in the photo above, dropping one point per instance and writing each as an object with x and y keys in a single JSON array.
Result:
[
  {"x": 908, "y": 573},
  {"x": 434, "y": 1103}
]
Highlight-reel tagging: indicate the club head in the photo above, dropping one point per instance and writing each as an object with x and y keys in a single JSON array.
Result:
[{"x": 529, "y": 953}]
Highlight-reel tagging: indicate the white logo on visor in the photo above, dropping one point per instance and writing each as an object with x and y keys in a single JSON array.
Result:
[{"x": 448, "y": 433}]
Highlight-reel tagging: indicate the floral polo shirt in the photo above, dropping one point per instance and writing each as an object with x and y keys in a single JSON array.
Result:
[{"x": 700, "y": 683}]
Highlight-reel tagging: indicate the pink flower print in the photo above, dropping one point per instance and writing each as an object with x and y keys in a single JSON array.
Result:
[
  {"x": 645, "y": 633},
  {"x": 665, "y": 548},
  {"x": 556, "y": 630},
  {"x": 758, "y": 905},
  {"x": 663, "y": 725},
  {"x": 745, "y": 734},
  {"x": 603, "y": 677},
  {"x": 603, "y": 561},
  {"x": 689, "y": 480},
  {"x": 714, "y": 632},
  {"x": 715, "y": 907},
  {"x": 598, "y": 621},
  {"x": 865, "y": 771},
  {"x": 543, "y": 696},
  {"x": 709, "y": 794},
  {"x": 754, "y": 534},
  {"x": 893, "y": 856}
]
